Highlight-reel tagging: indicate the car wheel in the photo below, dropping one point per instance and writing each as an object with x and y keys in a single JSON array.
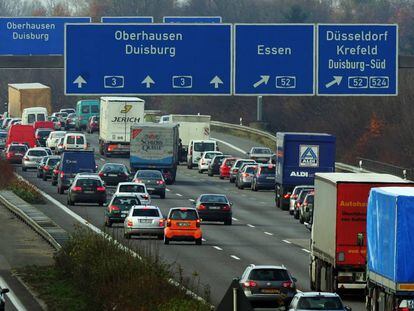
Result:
[
  {"x": 301, "y": 220},
  {"x": 231, "y": 180},
  {"x": 108, "y": 222},
  {"x": 44, "y": 177},
  {"x": 24, "y": 169},
  {"x": 60, "y": 190},
  {"x": 189, "y": 166},
  {"x": 290, "y": 212},
  {"x": 166, "y": 240},
  {"x": 228, "y": 222},
  {"x": 127, "y": 236},
  {"x": 101, "y": 203},
  {"x": 221, "y": 177},
  {"x": 162, "y": 195},
  {"x": 199, "y": 171},
  {"x": 241, "y": 187},
  {"x": 70, "y": 202},
  {"x": 296, "y": 214},
  {"x": 210, "y": 174},
  {"x": 198, "y": 241},
  {"x": 160, "y": 237}
]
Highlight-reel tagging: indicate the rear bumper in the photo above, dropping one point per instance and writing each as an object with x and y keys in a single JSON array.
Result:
[
  {"x": 215, "y": 216},
  {"x": 155, "y": 190},
  {"x": 89, "y": 198},
  {"x": 29, "y": 164},
  {"x": 144, "y": 231},
  {"x": 113, "y": 181},
  {"x": 183, "y": 235}
]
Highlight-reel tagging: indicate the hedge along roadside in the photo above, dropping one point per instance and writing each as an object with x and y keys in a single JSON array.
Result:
[{"x": 106, "y": 236}]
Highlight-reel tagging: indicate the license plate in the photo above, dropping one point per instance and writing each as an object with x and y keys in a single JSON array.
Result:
[
  {"x": 270, "y": 177},
  {"x": 214, "y": 207},
  {"x": 146, "y": 221},
  {"x": 124, "y": 215},
  {"x": 113, "y": 175},
  {"x": 150, "y": 189},
  {"x": 18, "y": 154},
  {"x": 270, "y": 291},
  {"x": 183, "y": 224},
  {"x": 88, "y": 191}
]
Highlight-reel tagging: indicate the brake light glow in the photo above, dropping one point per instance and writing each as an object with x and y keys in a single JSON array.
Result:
[
  {"x": 130, "y": 223},
  {"x": 46, "y": 167},
  {"x": 137, "y": 180},
  {"x": 55, "y": 171},
  {"x": 26, "y": 158},
  {"x": 287, "y": 195},
  {"x": 9, "y": 155},
  {"x": 100, "y": 189},
  {"x": 198, "y": 223},
  {"x": 101, "y": 174},
  {"x": 295, "y": 196},
  {"x": 201, "y": 207},
  {"x": 37, "y": 136},
  {"x": 287, "y": 284},
  {"x": 169, "y": 223},
  {"x": 62, "y": 174},
  {"x": 161, "y": 223},
  {"x": 114, "y": 208},
  {"x": 160, "y": 182},
  {"x": 249, "y": 284},
  {"x": 404, "y": 309},
  {"x": 146, "y": 197},
  {"x": 77, "y": 188},
  {"x": 245, "y": 175},
  {"x": 226, "y": 207}
]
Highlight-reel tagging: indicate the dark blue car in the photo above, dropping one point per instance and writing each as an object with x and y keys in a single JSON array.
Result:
[
  {"x": 72, "y": 163},
  {"x": 264, "y": 177}
]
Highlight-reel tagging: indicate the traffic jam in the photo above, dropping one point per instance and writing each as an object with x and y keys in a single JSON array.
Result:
[{"x": 300, "y": 173}]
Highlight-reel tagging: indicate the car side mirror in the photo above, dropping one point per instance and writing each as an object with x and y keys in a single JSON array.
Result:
[
  {"x": 5, "y": 291},
  {"x": 231, "y": 203},
  {"x": 248, "y": 153}
]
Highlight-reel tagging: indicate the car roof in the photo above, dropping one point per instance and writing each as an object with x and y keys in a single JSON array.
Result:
[
  {"x": 267, "y": 267},
  {"x": 315, "y": 294},
  {"x": 124, "y": 194},
  {"x": 131, "y": 183},
  {"x": 37, "y": 148},
  {"x": 145, "y": 207},
  {"x": 215, "y": 194},
  {"x": 184, "y": 207}
]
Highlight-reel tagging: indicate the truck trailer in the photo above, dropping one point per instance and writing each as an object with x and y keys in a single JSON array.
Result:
[
  {"x": 338, "y": 239},
  {"x": 298, "y": 157},
  {"x": 117, "y": 114},
  {"x": 155, "y": 146},
  {"x": 28, "y": 95},
  {"x": 390, "y": 243}
]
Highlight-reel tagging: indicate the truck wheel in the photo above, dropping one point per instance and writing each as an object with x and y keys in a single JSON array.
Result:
[{"x": 162, "y": 195}]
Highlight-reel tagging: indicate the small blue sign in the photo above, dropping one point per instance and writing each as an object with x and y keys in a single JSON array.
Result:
[
  {"x": 127, "y": 19},
  {"x": 192, "y": 19},
  {"x": 357, "y": 59},
  {"x": 34, "y": 35},
  {"x": 148, "y": 59},
  {"x": 274, "y": 59}
]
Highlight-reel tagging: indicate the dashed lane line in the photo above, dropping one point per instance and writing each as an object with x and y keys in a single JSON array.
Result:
[
  {"x": 286, "y": 241},
  {"x": 191, "y": 200},
  {"x": 306, "y": 250},
  {"x": 203, "y": 239},
  {"x": 235, "y": 219},
  {"x": 251, "y": 226},
  {"x": 229, "y": 145},
  {"x": 168, "y": 190},
  {"x": 234, "y": 257},
  {"x": 268, "y": 233},
  {"x": 177, "y": 194},
  {"x": 218, "y": 248}
]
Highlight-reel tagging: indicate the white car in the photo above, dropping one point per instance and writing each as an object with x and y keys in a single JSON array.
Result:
[
  {"x": 261, "y": 154},
  {"x": 144, "y": 220},
  {"x": 196, "y": 149},
  {"x": 137, "y": 188},
  {"x": 53, "y": 139},
  {"x": 33, "y": 157},
  {"x": 206, "y": 159},
  {"x": 75, "y": 141}
]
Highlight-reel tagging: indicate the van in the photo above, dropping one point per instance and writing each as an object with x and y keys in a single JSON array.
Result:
[
  {"x": 31, "y": 115},
  {"x": 74, "y": 141},
  {"x": 23, "y": 134},
  {"x": 72, "y": 163},
  {"x": 84, "y": 110},
  {"x": 196, "y": 149}
]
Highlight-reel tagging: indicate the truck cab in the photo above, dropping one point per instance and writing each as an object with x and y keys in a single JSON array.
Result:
[
  {"x": 34, "y": 114},
  {"x": 84, "y": 110},
  {"x": 196, "y": 148}
]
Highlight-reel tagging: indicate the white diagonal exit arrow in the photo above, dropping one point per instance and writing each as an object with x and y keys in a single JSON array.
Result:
[
  {"x": 79, "y": 81},
  {"x": 336, "y": 80},
  {"x": 148, "y": 81},
  {"x": 263, "y": 79},
  {"x": 216, "y": 81}
]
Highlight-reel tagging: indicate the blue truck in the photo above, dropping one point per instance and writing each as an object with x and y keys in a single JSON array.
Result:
[
  {"x": 155, "y": 146},
  {"x": 390, "y": 246},
  {"x": 298, "y": 157}
]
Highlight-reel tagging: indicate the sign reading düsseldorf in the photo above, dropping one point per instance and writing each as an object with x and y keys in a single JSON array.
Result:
[
  {"x": 150, "y": 59},
  {"x": 357, "y": 59},
  {"x": 34, "y": 35},
  {"x": 127, "y": 19},
  {"x": 274, "y": 59}
]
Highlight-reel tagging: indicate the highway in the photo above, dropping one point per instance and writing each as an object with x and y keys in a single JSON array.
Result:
[{"x": 260, "y": 234}]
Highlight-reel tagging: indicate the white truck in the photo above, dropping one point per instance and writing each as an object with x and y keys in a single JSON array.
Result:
[
  {"x": 191, "y": 127},
  {"x": 117, "y": 114}
]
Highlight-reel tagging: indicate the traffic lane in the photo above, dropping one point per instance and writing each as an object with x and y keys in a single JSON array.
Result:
[{"x": 240, "y": 142}]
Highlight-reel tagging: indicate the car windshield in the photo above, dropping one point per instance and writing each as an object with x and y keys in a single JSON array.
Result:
[
  {"x": 94, "y": 109},
  {"x": 269, "y": 275},
  {"x": 18, "y": 148},
  {"x": 320, "y": 303},
  {"x": 202, "y": 147},
  {"x": 145, "y": 212},
  {"x": 132, "y": 188},
  {"x": 43, "y": 133},
  {"x": 88, "y": 182},
  {"x": 116, "y": 168},
  {"x": 183, "y": 214},
  {"x": 149, "y": 174},
  {"x": 302, "y": 195},
  {"x": 230, "y": 162},
  {"x": 268, "y": 170},
  {"x": 213, "y": 199},
  {"x": 261, "y": 151},
  {"x": 209, "y": 155},
  {"x": 309, "y": 199},
  {"x": 52, "y": 162},
  {"x": 125, "y": 201},
  {"x": 250, "y": 169},
  {"x": 85, "y": 109},
  {"x": 37, "y": 153}
]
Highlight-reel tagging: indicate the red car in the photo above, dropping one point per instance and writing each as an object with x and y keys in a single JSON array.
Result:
[
  {"x": 225, "y": 167},
  {"x": 15, "y": 153},
  {"x": 93, "y": 124}
]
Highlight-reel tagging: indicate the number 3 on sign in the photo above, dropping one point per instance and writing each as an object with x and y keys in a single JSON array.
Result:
[
  {"x": 182, "y": 82},
  {"x": 113, "y": 82}
]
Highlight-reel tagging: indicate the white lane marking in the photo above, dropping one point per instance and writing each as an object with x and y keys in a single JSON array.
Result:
[
  {"x": 286, "y": 241},
  {"x": 191, "y": 200},
  {"x": 268, "y": 233},
  {"x": 167, "y": 189},
  {"x": 203, "y": 239},
  {"x": 177, "y": 194},
  {"x": 229, "y": 145},
  {"x": 102, "y": 159},
  {"x": 305, "y": 250},
  {"x": 251, "y": 226},
  {"x": 262, "y": 202},
  {"x": 13, "y": 298},
  {"x": 235, "y": 257},
  {"x": 235, "y": 219},
  {"x": 218, "y": 248}
]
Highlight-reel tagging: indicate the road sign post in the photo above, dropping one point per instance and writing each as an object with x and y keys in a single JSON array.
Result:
[
  {"x": 148, "y": 59},
  {"x": 34, "y": 35},
  {"x": 357, "y": 60},
  {"x": 274, "y": 59}
]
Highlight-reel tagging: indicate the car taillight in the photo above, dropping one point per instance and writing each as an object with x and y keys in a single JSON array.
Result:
[
  {"x": 226, "y": 207},
  {"x": 295, "y": 196},
  {"x": 146, "y": 197},
  {"x": 287, "y": 284},
  {"x": 305, "y": 204},
  {"x": 201, "y": 207},
  {"x": 403, "y": 309},
  {"x": 137, "y": 180},
  {"x": 245, "y": 174},
  {"x": 62, "y": 174},
  {"x": 100, "y": 189},
  {"x": 297, "y": 204},
  {"x": 169, "y": 223},
  {"x": 26, "y": 158},
  {"x": 198, "y": 223},
  {"x": 235, "y": 170},
  {"x": 9, "y": 155},
  {"x": 130, "y": 223},
  {"x": 249, "y": 284},
  {"x": 160, "y": 182},
  {"x": 55, "y": 171},
  {"x": 114, "y": 208},
  {"x": 161, "y": 222},
  {"x": 46, "y": 168},
  {"x": 287, "y": 196},
  {"x": 77, "y": 188},
  {"x": 37, "y": 137},
  {"x": 101, "y": 174}
]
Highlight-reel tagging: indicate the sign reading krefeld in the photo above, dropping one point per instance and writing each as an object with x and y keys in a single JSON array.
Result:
[
  {"x": 357, "y": 59},
  {"x": 156, "y": 59},
  {"x": 34, "y": 35}
]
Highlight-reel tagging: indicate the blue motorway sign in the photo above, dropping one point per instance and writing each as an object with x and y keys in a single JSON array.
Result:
[
  {"x": 274, "y": 59},
  {"x": 148, "y": 59},
  {"x": 192, "y": 19},
  {"x": 357, "y": 59},
  {"x": 34, "y": 35},
  {"x": 127, "y": 19}
]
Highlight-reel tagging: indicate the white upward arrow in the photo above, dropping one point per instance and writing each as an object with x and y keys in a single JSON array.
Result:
[
  {"x": 263, "y": 79},
  {"x": 336, "y": 80},
  {"x": 216, "y": 81},
  {"x": 148, "y": 81},
  {"x": 79, "y": 81}
]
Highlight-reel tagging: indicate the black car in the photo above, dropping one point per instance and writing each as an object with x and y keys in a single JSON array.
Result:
[
  {"x": 114, "y": 173},
  {"x": 153, "y": 180},
  {"x": 55, "y": 173},
  {"x": 119, "y": 207},
  {"x": 40, "y": 166},
  {"x": 87, "y": 189},
  {"x": 41, "y": 136},
  {"x": 214, "y": 166},
  {"x": 214, "y": 207},
  {"x": 49, "y": 166},
  {"x": 264, "y": 177}
]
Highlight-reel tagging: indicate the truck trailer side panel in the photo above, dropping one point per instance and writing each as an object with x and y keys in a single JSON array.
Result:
[{"x": 28, "y": 95}]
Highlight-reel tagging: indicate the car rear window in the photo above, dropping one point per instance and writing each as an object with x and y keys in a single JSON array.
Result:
[
  {"x": 37, "y": 153},
  {"x": 145, "y": 212},
  {"x": 40, "y": 117},
  {"x": 85, "y": 109},
  {"x": 309, "y": 198},
  {"x": 209, "y": 155},
  {"x": 149, "y": 174},
  {"x": 201, "y": 147},
  {"x": 250, "y": 169},
  {"x": 31, "y": 118},
  {"x": 268, "y": 170},
  {"x": 302, "y": 195},
  {"x": 94, "y": 109},
  {"x": 90, "y": 182},
  {"x": 52, "y": 162},
  {"x": 125, "y": 201},
  {"x": 79, "y": 140},
  {"x": 269, "y": 275},
  {"x": 320, "y": 303},
  {"x": 132, "y": 188},
  {"x": 43, "y": 133},
  {"x": 230, "y": 162},
  {"x": 261, "y": 151},
  {"x": 18, "y": 148},
  {"x": 213, "y": 199},
  {"x": 183, "y": 215},
  {"x": 113, "y": 168}
]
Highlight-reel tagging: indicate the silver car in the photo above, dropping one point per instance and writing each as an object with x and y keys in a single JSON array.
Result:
[
  {"x": 294, "y": 196},
  {"x": 136, "y": 188},
  {"x": 317, "y": 301},
  {"x": 144, "y": 220},
  {"x": 32, "y": 158}
]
